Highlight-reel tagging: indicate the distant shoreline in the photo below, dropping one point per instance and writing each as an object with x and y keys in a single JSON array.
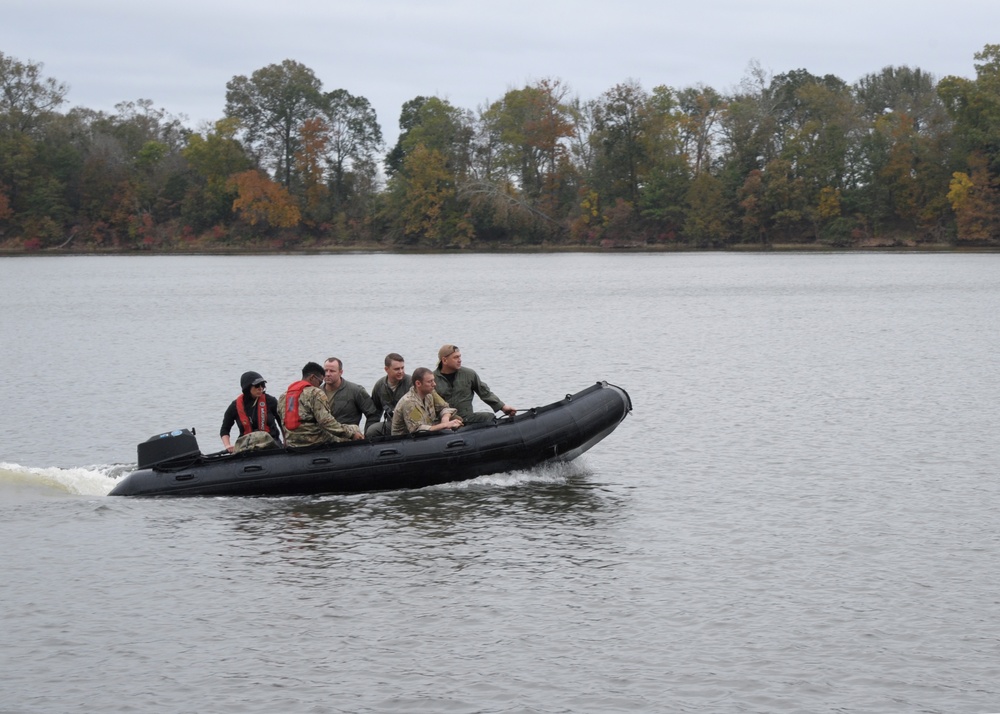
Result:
[{"x": 532, "y": 250}]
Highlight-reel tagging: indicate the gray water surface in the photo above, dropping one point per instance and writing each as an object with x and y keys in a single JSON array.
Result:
[{"x": 800, "y": 515}]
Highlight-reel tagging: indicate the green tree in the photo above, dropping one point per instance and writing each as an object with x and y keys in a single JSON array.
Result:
[
  {"x": 620, "y": 141},
  {"x": 355, "y": 138},
  {"x": 31, "y": 183},
  {"x": 664, "y": 187},
  {"x": 975, "y": 107},
  {"x": 214, "y": 157},
  {"x": 436, "y": 125},
  {"x": 27, "y": 99},
  {"x": 700, "y": 110},
  {"x": 271, "y": 106}
]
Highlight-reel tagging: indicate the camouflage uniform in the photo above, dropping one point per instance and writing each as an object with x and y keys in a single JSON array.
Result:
[
  {"x": 416, "y": 413},
  {"x": 318, "y": 426},
  {"x": 254, "y": 441},
  {"x": 385, "y": 398},
  {"x": 349, "y": 402},
  {"x": 457, "y": 389}
]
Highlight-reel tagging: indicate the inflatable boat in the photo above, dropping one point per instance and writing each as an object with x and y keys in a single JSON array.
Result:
[{"x": 171, "y": 464}]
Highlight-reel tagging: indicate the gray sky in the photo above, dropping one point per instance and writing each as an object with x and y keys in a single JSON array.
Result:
[{"x": 180, "y": 54}]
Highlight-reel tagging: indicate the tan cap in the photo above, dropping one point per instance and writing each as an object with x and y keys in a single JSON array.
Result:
[{"x": 446, "y": 351}]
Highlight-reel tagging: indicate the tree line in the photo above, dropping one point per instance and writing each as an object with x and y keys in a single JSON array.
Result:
[{"x": 897, "y": 158}]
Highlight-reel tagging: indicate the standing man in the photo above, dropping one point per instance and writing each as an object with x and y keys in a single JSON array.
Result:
[
  {"x": 387, "y": 391},
  {"x": 305, "y": 416},
  {"x": 347, "y": 400},
  {"x": 456, "y": 384},
  {"x": 422, "y": 409}
]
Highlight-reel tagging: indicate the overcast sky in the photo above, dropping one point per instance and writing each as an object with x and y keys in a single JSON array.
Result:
[{"x": 180, "y": 54}]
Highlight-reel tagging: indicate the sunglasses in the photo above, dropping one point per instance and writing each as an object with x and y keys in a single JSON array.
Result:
[{"x": 262, "y": 385}]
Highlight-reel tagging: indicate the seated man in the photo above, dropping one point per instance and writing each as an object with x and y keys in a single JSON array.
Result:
[
  {"x": 456, "y": 385},
  {"x": 256, "y": 414},
  {"x": 422, "y": 409},
  {"x": 305, "y": 416},
  {"x": 347, "y": 400},
  {"x": 387, "y": 392}
]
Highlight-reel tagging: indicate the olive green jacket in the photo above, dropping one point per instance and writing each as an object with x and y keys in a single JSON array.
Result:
[
  {"x": 457, "y": 389},
  {"x": 349, "y": 402},
  {"x": 385, "y": 397}
]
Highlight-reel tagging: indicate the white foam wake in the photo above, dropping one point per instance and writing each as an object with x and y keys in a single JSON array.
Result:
[{"x": 80, "y": 481}]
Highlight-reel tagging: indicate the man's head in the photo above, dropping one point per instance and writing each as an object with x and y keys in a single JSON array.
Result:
[
  {"x": 449, "y": 359},
  {"x": 423, "y": 381},
  {"x": 333, "y": 370},
  {"x": 313, "y": 373},
  {"x": 395, "y": 367}
]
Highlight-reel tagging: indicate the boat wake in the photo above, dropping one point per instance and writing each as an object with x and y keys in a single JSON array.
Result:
[
  {"x": 554, "y": 473},
  {"x": 53, "y": 481}
]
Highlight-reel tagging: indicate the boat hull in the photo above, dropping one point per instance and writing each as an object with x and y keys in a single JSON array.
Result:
[{"x": 557, "y": 432}]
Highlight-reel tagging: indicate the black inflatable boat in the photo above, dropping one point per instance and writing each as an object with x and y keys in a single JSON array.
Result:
[{"x": 171, "y": 464}]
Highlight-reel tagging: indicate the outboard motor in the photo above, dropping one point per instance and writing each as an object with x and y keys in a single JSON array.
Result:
[{"x": 174, "y": 449}]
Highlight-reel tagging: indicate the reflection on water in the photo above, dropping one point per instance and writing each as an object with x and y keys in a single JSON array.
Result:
[{"x": 536, "y": 506}]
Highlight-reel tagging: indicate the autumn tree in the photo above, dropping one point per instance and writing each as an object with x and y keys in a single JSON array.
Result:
[
  {"x": 426, "y": 212},
  {"x": 134, "y": 176},
  {"x": 261, "y": 201},
  {"x": 533, "y": 127},
  {"x": 707, "y": 219},
  {"x": 314, "y": 137},
  {"x": 975, "y": 198}
]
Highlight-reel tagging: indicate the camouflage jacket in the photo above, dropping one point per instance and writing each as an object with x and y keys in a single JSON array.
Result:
[
  {"x": 416, "y": 413},
  {"x": 318, "y": 425}
]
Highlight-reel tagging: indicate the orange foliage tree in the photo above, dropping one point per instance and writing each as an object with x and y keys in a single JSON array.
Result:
[
  {"x": 314, "y": 137},
  {"x": 261, "y": 200}
]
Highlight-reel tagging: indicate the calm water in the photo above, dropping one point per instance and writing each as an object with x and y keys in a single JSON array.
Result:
[{"x": 802, "y": 514}]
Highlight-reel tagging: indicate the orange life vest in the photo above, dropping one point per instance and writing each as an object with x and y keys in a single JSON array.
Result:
[
  {"x": 292, "y": 420},
  {"x": 246, "y": 426}
]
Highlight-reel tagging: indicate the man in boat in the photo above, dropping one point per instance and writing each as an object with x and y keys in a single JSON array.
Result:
[
  {"x": 456, "y": 384},
  {"x": 305, "y": 414},
  {"x": 347, "y": 400},
  {"x": 423, "y": 409},
  {"x": 256, "y": 414},
  {"x": 387, "y": 392}
]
